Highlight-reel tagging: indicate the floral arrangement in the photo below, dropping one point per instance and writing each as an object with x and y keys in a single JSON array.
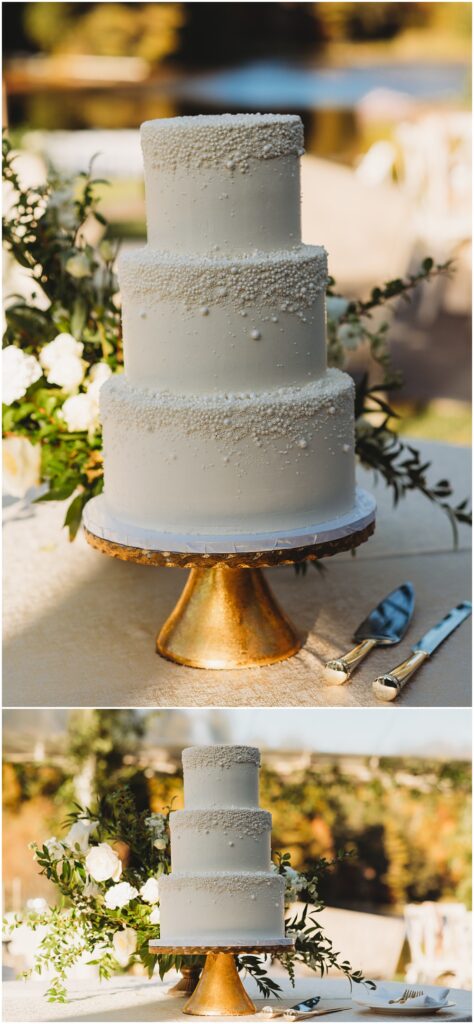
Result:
[
  {"x": 64, "y": 342},
  {"x": 106, "y": 870}
]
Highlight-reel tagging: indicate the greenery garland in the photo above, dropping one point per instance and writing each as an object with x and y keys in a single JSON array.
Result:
[
  {"x": 106, "y": 871},
  {"x": 61, "y": 344}
]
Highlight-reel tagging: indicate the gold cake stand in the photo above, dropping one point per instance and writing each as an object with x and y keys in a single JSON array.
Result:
[
  {"x": 227, "y": 616},
  {"x": 219, "y": 991}
]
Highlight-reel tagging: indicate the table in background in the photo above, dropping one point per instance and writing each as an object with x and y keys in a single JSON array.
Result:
[
  {"x": 137, "y": 999},
  {"x": 80, "y": 628}
]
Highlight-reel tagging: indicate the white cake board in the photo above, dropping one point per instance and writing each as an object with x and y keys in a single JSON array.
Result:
[{"x": 99, "y": 521}]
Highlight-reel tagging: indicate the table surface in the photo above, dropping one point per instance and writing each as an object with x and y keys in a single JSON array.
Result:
[
  {"x": 137, "y": 999},
  {"x": 80, "y": 628}
]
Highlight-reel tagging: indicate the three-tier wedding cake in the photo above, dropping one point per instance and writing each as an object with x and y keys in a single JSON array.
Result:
[
  {"x": 226, "y": 420},
  {"x": 221, "y": 889}
]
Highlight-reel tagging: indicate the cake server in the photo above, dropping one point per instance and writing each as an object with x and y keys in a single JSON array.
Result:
[
  {"x": 388, "y": 686},
  {"x": 305, "y": 1006},
  {"x": 291, "y": 1015},
  {"x": 385, "y": 625}
]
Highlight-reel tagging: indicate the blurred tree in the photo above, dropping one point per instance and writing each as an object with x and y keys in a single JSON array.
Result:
[
  {"x": 99, "y": 741},
  {"x": 369, "y": 21},
  {"x": 216, "y": 34},
  {"x": 146, "y": 30}
]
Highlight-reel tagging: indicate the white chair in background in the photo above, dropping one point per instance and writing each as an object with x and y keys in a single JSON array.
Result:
[{"x": 438, "y": 935}]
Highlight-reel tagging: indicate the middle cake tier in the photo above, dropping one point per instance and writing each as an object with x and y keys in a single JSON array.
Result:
[
  {"x": 200, "y": 324},
  {"x": 229, "y": 464},
  {"x": 226, "y": 840}
]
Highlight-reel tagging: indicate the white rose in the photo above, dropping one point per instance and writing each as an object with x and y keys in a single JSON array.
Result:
[
  {"x": 155, "y": 916},
  {"x": 160, "y": 844},
  {"x": 80, "y": 412},
  {"x": 349, "y": 335},
  {"x": 78, "y": 265},
  {"x": 336, "y": 306},
  {"x": 102, "y": 863},
  {"x": 91, "y": 890},
  {"x": 119, "y": 895},
  {"x": 67, "y": 373},
  {"x": 124, "y": 943},
  {"x": 98, "y": 374},
  {"x": 79, "y": 833},
  {"x": 150, "y": 891},
  {"x": 62, "y": 345},
  {"x": 62, "y": 361},
  {"x": 55, "y": 848},
  {"x": 19, "y": 371},
  {"x": 21, "y": 465}
]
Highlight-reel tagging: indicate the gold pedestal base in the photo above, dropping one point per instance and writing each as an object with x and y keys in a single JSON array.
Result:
[
  {"x": 187, "y": 982},
  {"x": 219, "y": 991},
  {"x": 227, "y": 619}
]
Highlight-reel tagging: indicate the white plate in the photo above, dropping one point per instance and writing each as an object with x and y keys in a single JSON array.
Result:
[{"x": 404, "y": 1010}]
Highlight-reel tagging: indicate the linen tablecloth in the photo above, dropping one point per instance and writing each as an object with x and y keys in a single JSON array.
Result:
[
  {"x": 136, "y": 999},
  {"x": 80, "y": 627}
]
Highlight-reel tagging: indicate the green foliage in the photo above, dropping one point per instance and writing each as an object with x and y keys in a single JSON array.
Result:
[{"x": 45, "y": 233}]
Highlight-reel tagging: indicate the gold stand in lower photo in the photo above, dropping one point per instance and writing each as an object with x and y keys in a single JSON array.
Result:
[
  {"x": 227, "y": 616},
  {"x": 219, "y": 992}
]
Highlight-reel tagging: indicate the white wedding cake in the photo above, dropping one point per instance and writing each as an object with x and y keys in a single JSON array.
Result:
[
  {"x": 221, "y": 889},
  {"x": 226, "y": 420}
]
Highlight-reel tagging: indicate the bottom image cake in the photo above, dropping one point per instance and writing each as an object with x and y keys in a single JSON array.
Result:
[{"x": 266, "y": 863}]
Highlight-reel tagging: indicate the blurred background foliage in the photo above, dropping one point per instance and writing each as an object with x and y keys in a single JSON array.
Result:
[
  {"x": 207, "y": 34},
  {"x": 405, "y": 820}
]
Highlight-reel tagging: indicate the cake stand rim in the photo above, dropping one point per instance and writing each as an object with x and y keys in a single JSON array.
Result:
[{"x": 285, "y": 548}]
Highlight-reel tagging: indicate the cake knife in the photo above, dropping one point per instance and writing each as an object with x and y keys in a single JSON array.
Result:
[
  {"x": 387, "y": 687},
  {"x": 385, "y": 625}
]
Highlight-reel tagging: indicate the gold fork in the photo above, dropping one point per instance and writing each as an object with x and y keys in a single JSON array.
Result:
[{"x": 409, "y": 993}]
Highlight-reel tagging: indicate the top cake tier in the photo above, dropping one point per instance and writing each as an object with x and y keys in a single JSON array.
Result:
[
  {"x": 220, "y": 777},
  {"x": 227, "y": 182}
]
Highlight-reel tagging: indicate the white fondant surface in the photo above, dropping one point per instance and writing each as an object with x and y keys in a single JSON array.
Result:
[
  {"x": 219, "y": 464},
  {"x": 216, "y": 350},
  {"x": 203, "y": 908},
  {"x": 216, "y": 786},
  {"x": 212, "y": 208},
  {"x": 220, "y": 840}
]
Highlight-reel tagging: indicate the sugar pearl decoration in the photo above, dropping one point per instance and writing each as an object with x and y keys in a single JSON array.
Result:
[
  {"x": 256, "y": 335},
  {"x": 346, "y": 448},
  {"x": 232, "y": 139},
  {"x": 302, "y": 443},
  {"x": 204, "y": 310},
  {"x": 331, "y": 410}
]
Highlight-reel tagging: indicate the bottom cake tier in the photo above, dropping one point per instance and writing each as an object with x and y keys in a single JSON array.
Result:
[
  {"x": 224, "y": 464},
  {"x": 202, "y": 909}
]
